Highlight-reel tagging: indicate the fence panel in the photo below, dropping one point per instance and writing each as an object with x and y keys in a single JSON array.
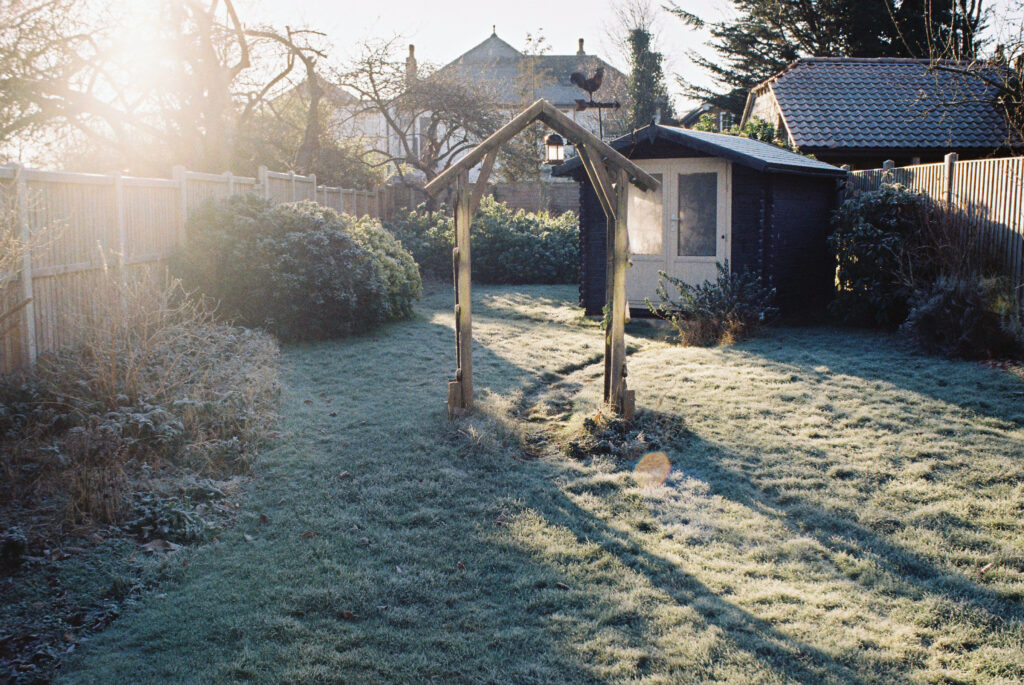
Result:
[
  {"x": 80, "y": 225},
  {"x": 987, "y": 193}
]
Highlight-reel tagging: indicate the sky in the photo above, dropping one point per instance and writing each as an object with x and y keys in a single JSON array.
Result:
[{"x": 444, "y": 29}]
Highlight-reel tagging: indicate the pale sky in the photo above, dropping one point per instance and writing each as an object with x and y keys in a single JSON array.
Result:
[{"x": 444, "y": 29}]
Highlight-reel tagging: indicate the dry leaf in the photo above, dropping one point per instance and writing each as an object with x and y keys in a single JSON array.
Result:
[
  {"x": 343, "y": 475},
  {"x": 984, "y": 569},
  {"x": 307, "y": 401},
  {"x": 333, "y": 414},
  {"x": 348, "y": 615},
  {"x": 162, "y": 546},
  {"x": 248, "y": 538},
  {"x": 365, "y": 541},
  {"x": 383, "y": 607},
  {"x": 561, "y": 586},
  {"x": 264, "y": 519},
  {"x": 307, "y": 535},
  {"x": 460, "y": 566}
]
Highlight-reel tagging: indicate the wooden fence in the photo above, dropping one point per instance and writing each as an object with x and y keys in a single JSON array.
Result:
[
  {"x": 77, "y": 225},
  {"x": 989, "y": 193}
]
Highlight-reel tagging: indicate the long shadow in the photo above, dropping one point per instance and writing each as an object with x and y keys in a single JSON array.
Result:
[
  {"x": 855, "y": 354},
  {"x": 837, "y": 533}
]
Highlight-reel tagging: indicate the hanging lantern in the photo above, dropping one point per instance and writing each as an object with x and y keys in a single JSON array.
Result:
[{"x": 554, "y": 149}]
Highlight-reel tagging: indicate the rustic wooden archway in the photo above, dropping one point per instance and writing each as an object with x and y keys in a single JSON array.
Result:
[{"x": 602, "y": 164}]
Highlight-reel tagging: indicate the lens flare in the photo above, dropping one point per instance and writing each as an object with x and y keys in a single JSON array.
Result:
[{"x": 652, "y": 469}]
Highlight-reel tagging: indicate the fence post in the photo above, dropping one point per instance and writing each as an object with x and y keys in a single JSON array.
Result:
[
  {"x": 292, "y": 179},
  {"x": 313, "y": 177},
  {"x": 180, "y": 175},
  {"x": 122, "y": 220},
  {"x": 263, "y": 181},
  {"x": 230, "y": 179},
  {"x": 27, "y": 294},
  {"x": 948, "y": 173}
]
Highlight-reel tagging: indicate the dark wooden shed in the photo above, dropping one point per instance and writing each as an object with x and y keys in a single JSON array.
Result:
[{"x": 764, "y": 209}]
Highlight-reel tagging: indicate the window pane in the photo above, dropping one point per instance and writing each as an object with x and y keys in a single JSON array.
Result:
[
  {"x": 643, "y": 220},
  {"x": 698, "y": 215}
]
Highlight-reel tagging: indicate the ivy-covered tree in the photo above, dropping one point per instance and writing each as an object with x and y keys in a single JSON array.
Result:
[
  {"x": 764, "y": 36},
  {"x": 647, "y": 90}
]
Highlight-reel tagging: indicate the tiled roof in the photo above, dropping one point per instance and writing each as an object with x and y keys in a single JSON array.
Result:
[
  {"x": 513, "y": 77},
  {"x": 829, "y": 103},
  {"x": 751, "y": 153}
]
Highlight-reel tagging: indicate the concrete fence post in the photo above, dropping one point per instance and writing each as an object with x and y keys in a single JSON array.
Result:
[
  {"x": 948, "y": 175},
  {"x": 122, "y": 220},
  {"x": 229, "y": 178},
  {"x": 27, "y": 292},
  {"x": 180, "y": 175},
  {"x": 263, "y": 181},
  {"x": 291, "y": 175}
]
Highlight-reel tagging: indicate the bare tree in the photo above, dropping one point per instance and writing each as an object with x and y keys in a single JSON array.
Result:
[
  {"x": 65, "y": 79},
  {"x": 424, "y": 120}
]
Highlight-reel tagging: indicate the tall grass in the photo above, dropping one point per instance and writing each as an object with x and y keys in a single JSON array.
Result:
[{"x": 148, "y": 378}]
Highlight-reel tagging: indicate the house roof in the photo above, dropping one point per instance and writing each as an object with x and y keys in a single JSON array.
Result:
[
  {"x": 505, "y": 73},
  {"x": 759, "y": 156},
  {"x": 888, "y": 103}
]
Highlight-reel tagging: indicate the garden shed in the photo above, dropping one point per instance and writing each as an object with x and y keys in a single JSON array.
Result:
[{"x": 722, "y": 198}]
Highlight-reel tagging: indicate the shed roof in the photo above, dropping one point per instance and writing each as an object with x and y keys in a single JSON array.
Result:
[
  {"x": 870, "y": 103},
  {"x": 755, "y": 154}
]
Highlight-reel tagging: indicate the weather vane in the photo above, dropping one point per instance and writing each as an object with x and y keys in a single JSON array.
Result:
[{"x": 591, "y": 85}]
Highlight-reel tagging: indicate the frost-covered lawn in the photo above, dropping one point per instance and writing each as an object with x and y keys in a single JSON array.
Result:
[{"x": 839, "y": 509}]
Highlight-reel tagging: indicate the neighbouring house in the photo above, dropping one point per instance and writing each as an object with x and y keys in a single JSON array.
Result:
[
  {"x": 513, "y": 79},
  {"x": 863, "y": 111},
  {"x": 724, "y": 119},
  {"x": 760, "y": 207}
]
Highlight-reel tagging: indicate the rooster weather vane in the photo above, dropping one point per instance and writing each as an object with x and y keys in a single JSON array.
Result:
[{"x": 592, "y": 85}]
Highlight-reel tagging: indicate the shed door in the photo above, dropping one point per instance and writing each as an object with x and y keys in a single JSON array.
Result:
[
  {"x": 701, "y": 222},
  {"x": 683, "y": 228}
]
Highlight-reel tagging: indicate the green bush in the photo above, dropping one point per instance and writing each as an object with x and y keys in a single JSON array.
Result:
[
  {"x": 724, "y": 311},
  {"x": 871, "y": 233},
  {"x": 507, "y": 247},
  {"x": 956, "y": 318},
  {"x": 296, "y": 270},
  {"x": 393, "y": 264}
]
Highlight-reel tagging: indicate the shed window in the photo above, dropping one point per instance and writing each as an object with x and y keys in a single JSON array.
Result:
[
  {"x": 698, "y": 215},
  {"x": 643, "y": 220}
]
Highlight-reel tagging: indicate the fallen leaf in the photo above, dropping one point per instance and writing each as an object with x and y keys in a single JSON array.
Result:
[
  {"x": 561, "y": 586},
  {"x": 307, "y": 535},
  {"x": 398, "y": 569},
  {"x": 162, "y": 546},
  {"x": 343, "y": 475},
  {"x": 348, "y": 615},
  {"x": 365, "y": 541},
  {"x": 307, "y": 401},
  {"x": 984, "y": 569},
  {"x": 333, "y": 414},
  {"x": 383, "y": 607},
  {"x": 460, "y": 566},
  {"x": 248, "y": 538},
  {"x": 264, "y": 519}
]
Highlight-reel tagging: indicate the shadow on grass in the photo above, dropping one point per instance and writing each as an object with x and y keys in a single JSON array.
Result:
[{"x": 854, "y": 352}]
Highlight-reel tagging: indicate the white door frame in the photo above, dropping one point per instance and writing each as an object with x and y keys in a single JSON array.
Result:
[{"x": 645, "y": 266}]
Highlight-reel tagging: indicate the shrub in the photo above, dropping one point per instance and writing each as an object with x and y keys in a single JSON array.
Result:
[
  {"x": 733, "y": 307},
  {"x": 869, "y": 237},
  {"x": 149, "y": 377},
  {"x": 507, "y": 247},
  {"x": 394, "y": 265},
  {"x": 295, "y": 269},
  {"x": 956, "y": 318}
]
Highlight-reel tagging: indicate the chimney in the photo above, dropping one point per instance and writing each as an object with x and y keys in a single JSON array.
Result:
[
  {"x": 410, "y": 66},
  {"x": 581, "y": 48}
]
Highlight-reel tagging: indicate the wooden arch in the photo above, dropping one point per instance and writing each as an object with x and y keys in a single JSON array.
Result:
[{"x": 609, "y": 173}]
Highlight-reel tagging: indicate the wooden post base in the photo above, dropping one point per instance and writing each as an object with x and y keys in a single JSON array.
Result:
[{"x": 456, "y": 406}]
